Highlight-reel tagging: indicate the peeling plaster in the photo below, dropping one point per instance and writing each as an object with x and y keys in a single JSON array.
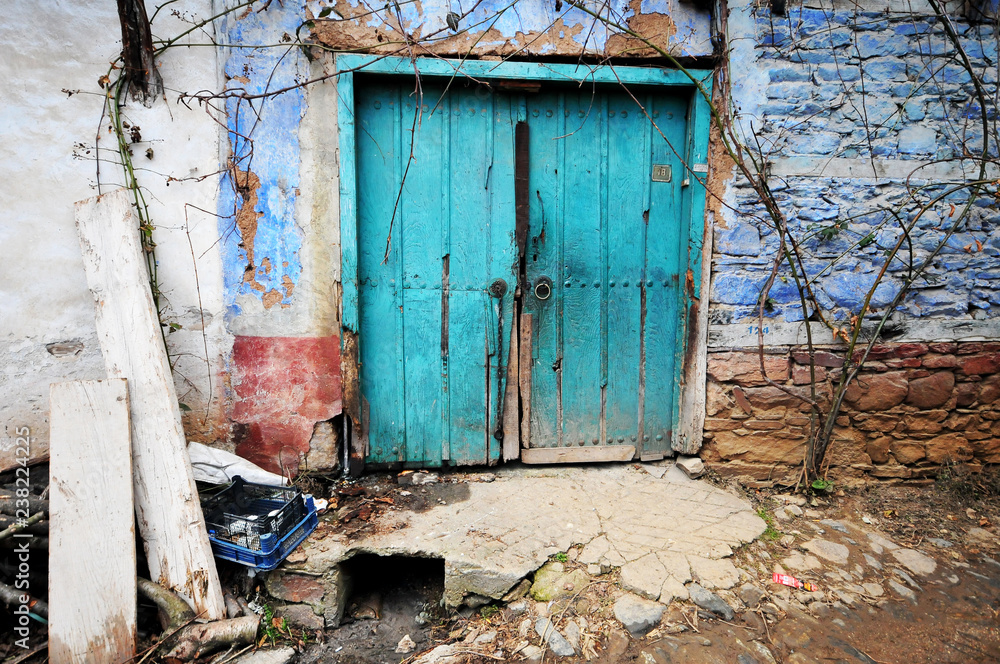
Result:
[
  {"x": 259, "y": 191},
  {"x": 498, "y": 27},
  {"x": 282, "y": 387}
]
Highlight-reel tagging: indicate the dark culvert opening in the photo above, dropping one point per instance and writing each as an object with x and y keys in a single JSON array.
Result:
[{"x": 400, "y": 591}]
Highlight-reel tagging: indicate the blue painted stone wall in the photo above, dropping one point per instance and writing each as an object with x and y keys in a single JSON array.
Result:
[
  {"x": 846, "y": 85},
  {"x": 263, "y": 137}
]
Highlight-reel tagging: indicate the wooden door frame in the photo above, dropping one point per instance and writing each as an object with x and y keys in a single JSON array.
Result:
[{"x": 696, "y": 82}]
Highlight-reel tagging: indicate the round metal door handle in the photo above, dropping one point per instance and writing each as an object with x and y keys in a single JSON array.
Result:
[
  {"x": 543, "y": 288},
  {"x": 498, "y": 288}
]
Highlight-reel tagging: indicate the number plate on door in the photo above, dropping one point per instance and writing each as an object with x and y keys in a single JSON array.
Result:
[{"x": 661, "y": 173}]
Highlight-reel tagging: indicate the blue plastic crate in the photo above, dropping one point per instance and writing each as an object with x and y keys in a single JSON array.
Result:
[
  {"x": 272, "y": 550},
  {"x": 253, "y": 516}
]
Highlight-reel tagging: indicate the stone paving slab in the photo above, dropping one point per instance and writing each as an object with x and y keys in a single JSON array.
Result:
[{"x": 621, "y": 515}]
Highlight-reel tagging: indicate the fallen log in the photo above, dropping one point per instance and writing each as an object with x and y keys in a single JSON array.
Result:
[
  {"x": 12, "y": 596},
  {"x": 21, "y": 525},
  {"x": 196, "y": 641},
  {"x": 186, "y": 641},
  {"x": 9, "y": 504},
  {"x": 233, "y": 608}
]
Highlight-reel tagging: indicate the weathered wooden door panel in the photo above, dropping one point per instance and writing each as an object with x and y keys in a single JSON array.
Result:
[
  {"x": 432, "y": 238},
  {"x": 610, "y": 239},
  {"x": 666, "y": 261}
]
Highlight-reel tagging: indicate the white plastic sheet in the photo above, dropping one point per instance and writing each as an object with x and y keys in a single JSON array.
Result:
[{"x": 215, "y": 466}]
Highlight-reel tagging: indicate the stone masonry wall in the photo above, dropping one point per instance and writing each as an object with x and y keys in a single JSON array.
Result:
[
  {"x": 915, "y": 407},
  {"x": 846, "y": 105}
]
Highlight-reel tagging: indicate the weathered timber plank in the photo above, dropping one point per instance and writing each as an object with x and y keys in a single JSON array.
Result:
[
  {"x": 693, "y": 388},
  {"x": 92, "y": 593},
  {"x": 511, "y": 432},
  {"x": 628, "y": 183},
  {"x": 166, "y": 500},
  {"x": 537, "y": 455},
  {"x": 524, "y": 371},
  {"x": 581, "y": 341}
]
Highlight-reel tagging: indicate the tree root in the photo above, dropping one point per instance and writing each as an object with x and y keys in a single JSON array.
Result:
[{"x": 173, "y": 610}]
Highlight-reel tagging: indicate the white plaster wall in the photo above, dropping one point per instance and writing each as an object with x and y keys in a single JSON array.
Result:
[
  {"x": 318, "y": 213},
  {"x": 47, "y": 162}
]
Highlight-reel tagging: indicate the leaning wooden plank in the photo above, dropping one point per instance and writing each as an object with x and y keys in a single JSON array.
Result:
[
  {"x": 578, "y": 454},
  {"x": 166, "y": 500},
  {"x": 92, "y": 591}
]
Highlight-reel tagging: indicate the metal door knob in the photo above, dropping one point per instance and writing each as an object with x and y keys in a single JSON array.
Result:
[
  {"x": 543, "y": 288},
  {"x": 498, "y": 288}
]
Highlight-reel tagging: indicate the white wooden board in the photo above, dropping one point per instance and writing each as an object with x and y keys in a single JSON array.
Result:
[
  {"x": 166, "y": 500},
  {"x": 92, "y": 595}
]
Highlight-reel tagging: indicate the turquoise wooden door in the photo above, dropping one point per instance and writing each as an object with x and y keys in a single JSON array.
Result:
[
  {"x": 607, "y": 230},
  {"x": 435, "y": 239}
]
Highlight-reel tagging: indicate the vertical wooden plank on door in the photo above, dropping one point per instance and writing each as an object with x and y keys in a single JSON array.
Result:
[
  {"x": 583, "y": 267},
  {"x": 664, "y": 278},
  {"x": 349, "y": 357},
  {"x": 420, "y": 246},
  {"x": 92, "y": 593},
  {"x": 691, "y": 404},
  {"x": 525, "y": 371},
  {"x": 378, "y": 145},
  {"x": 628, "y": 205},
  {"x": 406, "y": 123},
  {"x": 511, "y": 409},
  {"x": 166, "y": 498},
  {"x": 471, "y": 319},
  {"x": 444, "y": 252},
  {"x": 545, "y": 117},
  {"x": 503, "y": 265},
  {"x": 348, "y": 202}
]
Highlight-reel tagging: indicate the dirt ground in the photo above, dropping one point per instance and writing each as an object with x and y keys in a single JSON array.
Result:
[
  {"x": 947, "y": 616},
  {"x": 869, "y": 607}
]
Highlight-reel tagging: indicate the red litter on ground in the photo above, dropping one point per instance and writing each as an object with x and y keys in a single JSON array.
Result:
[{"x": 791, "y": 581}]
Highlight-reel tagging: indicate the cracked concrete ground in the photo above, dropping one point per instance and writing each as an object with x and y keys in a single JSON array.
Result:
[{"x": 662, "y": 529}]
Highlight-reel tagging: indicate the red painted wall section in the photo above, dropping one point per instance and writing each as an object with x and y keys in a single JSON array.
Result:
[{"x": 283, "y": 386}]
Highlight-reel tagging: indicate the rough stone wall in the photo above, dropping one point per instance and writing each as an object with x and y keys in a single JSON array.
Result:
[
  {"x": 915, "y": 407},
  {"x": 848, "y": 105},
  {"x": 861, "y": 112}
]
